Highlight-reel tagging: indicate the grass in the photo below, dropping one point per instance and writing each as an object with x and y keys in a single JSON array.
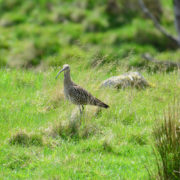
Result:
[
  {"x": 167, "y": 146},
  {"x": 22, "y": 138},
  {"x": 41, "y": 137},
  {"x": 117, "y": 148},
  {"x": 41, "y": 34}
]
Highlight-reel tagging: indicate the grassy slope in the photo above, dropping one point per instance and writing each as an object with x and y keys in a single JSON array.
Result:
[
  {"x": 127, "y": 125},
  {"x": 28, "y": 99}
]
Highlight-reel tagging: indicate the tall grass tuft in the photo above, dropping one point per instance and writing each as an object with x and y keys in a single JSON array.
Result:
[
  {"x": 73, "y": 129},
  {"x": 24, "y": 139},
  {"x": 167, "y": 144}
]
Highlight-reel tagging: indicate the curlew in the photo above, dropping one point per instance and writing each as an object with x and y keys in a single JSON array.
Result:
[{"x": 76, "y": 94}]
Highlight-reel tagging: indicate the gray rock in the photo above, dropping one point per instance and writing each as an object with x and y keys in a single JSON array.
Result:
[{"x": 130, "y": 79}]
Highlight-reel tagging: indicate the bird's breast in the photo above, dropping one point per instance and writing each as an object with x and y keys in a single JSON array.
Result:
[{"x": 66, "y": 94}]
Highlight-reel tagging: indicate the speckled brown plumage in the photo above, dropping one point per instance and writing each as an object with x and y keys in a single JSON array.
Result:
[{"x": 76, "y": 94}]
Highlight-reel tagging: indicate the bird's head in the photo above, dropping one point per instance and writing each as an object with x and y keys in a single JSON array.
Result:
[{"x": 65, "y": 68}]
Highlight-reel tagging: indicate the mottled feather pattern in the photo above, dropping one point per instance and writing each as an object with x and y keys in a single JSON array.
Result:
[
  {"x": 80, "y": 96},
  {"x": 76, "y": 94}
]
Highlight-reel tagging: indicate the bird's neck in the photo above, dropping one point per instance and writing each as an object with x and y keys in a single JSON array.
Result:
[{"x": 67, "y": 78}]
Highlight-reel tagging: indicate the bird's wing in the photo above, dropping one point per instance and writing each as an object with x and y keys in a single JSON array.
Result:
[{"x": 80, "y": 95}]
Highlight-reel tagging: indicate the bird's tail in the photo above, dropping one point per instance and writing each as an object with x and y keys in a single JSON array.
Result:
[{"x": 98, "y": 102}]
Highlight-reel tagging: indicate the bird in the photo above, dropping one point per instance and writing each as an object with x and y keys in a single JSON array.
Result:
[{"x": 76, "y": 94}]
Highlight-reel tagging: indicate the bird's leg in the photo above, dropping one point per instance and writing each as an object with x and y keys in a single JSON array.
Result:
[
  {"x": 83, "y": 112},
  {"x": 80, "y": 110}
]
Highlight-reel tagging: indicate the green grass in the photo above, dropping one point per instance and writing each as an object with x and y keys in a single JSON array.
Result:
[
  {"x": 37, "y": 138},
  {"x": 120, "y": 148}
]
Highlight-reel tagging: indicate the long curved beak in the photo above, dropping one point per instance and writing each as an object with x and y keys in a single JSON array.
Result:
[{"x": 60, "y": 72}]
